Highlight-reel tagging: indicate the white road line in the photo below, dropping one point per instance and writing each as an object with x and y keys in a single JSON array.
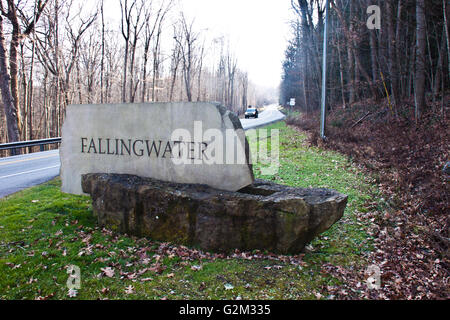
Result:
[{"x": 17, "y": 174}]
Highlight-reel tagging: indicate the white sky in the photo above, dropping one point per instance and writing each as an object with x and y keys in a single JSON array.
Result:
[{"x": 258, "y": 31}]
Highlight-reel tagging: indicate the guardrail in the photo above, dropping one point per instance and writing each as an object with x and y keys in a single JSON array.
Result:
[{"x": 13, "y": 146}]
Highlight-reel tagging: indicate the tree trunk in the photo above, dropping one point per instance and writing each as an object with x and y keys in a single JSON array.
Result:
[
  {"x": 133, "y": 59},
  {"x": 307, "y": 57},
  {"x": 439, "y": 68},
  {"x": 175, "y": 65},
  {"x": 56, "y": 108},
  {"x": 125, "y": 64},
  {"x": 351, "y": 63},
  {"x": 12, "y": 118},
  {"x": 420, "y": 59},
  {"x": 30, "y": 89},
  {"x": 398, "y": 43},
  {"x": 144, "y": 76},
  {"x": 80, "y": 96},
  {"x": 200, "y": 72},
  {"x": 14, "y": 65},
  {"x": 392, "y": 62},
  {"x": 25, "y": 110},
  {"x": 341, "y": 73},
  {"x": 446, "y": 34},
  {"x": 373, "y": 56},
  {"x": 102, "y": 63}
]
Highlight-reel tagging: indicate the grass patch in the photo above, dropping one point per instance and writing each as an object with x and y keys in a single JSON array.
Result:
[
  {"x": 43, "y": 231},
  {"x": 310, "y": 167}
]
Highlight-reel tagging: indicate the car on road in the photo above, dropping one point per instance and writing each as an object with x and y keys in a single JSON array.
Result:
[{"x": 251, "y": 113}]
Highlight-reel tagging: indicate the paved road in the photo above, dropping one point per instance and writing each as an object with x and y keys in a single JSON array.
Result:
[
  {"x": 20, "y": 172},
  {"x": 24, "y": 171},
  {"x": 269, "y": 115}
]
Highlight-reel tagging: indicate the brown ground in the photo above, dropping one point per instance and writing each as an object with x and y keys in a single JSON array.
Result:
[{"x": 412, "y": 236}]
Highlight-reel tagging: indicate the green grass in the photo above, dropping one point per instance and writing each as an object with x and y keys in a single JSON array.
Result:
[
  {"x": 309, "y": 167},
  {"x": 42, "y": 231}
]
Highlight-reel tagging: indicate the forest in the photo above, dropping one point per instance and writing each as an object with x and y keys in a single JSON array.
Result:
[
  {"x": 59, "y": 52},
  {"x": 387, "y": 104},
  {"x": 404, "y": 59}
]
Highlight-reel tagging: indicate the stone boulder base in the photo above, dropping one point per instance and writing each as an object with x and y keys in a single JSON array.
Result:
[{"x": 263, "y": 216}]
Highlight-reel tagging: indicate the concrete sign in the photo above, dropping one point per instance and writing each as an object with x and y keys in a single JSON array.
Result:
[{"x": 195, "y": 143}]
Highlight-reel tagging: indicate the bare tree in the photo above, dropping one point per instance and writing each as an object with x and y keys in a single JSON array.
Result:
[
  {"x": 75, "y": 38},
  {"x": 231, "y": 63},
  {"x": 10, "y": 78},
  {"x": 157, "y": 44},
  {"x": 137, "y": 25},
  {"x": 175, "y": 62},
  {"x": 244, "y": 81},
  {"x": 392, "y": 47},
  {"x": 148, "y": 37},
  {"x": 102, "y": 62},
  {"x": 188, "y": 46},
  {"x": 126, "y": 23},
  {"x": 90, "y": 53},
  {"x": 200, "y": 70}
]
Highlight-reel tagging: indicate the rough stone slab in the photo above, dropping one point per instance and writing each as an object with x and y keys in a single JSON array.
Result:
[
  {"x": 264, "y": 216},
  {"x": 117, "y": 138}
]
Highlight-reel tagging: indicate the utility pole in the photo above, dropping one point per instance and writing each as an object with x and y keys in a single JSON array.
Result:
[{"x": 324, "y": 75}]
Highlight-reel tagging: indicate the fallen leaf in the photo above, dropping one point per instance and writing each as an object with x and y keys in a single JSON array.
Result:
[
  {"x": 157, "y": 268},
  {"x": 108, "y": 271},
  {"x": 45, "y": 297}
]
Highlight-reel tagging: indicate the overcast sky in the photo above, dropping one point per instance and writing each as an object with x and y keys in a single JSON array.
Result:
[{"x": 257, "y": 30}]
